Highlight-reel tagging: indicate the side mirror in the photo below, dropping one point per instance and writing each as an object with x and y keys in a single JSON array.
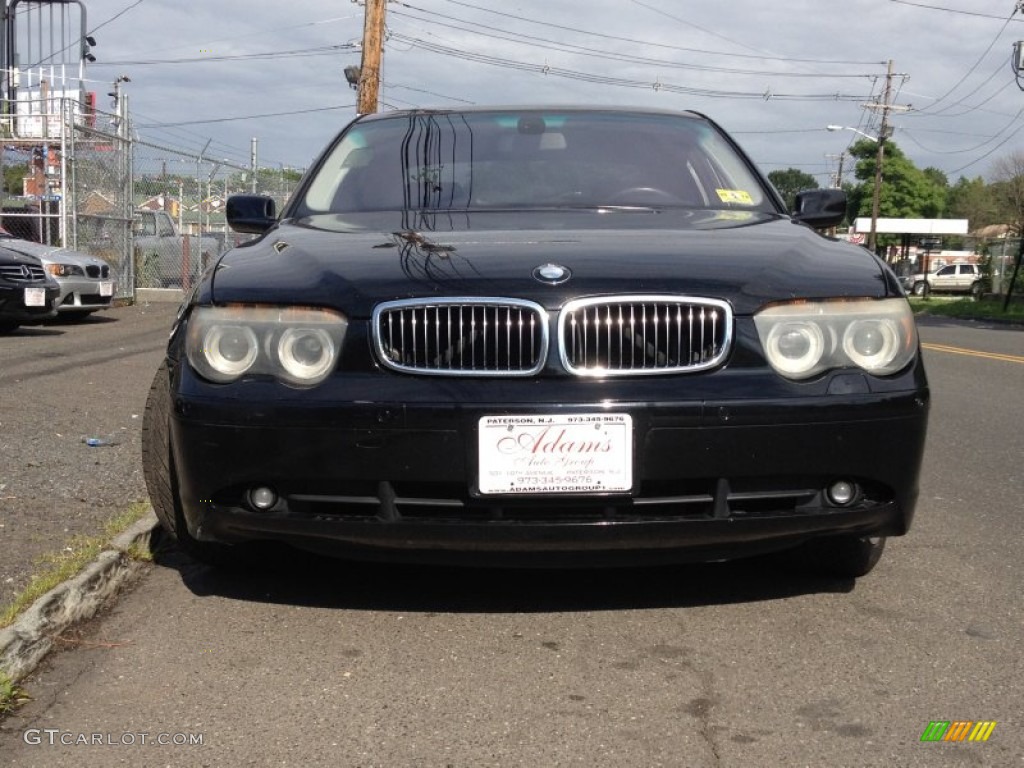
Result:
[
  {"x": 253, "y": 214},
  {"x": 820, "y": 208}
]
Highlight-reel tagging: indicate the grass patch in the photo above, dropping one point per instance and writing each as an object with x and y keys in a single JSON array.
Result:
[
  {"x": 967, "y": 309},
  {"x": 57, "y": 567},
  {"x": 12, "y": 695}
]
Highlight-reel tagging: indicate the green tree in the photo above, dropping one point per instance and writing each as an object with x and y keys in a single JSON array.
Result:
[
  {"x": 1008, "y": 188},
  {"x": 790, "y": 181},
  {"x": 13, "y": 175},
  {"x": 974, "y": 200},
  {"x": 907, "y": 192}
]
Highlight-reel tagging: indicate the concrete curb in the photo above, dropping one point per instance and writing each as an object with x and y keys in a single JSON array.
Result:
[{"x": 25, "y": 643}]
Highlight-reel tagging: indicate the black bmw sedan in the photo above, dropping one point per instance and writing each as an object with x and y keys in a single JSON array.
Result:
[{"x": 540, "y": 336}]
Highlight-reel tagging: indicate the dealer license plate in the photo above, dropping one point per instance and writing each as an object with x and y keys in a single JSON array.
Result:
[
  {"x": 579, "y": 453},
  {"x": 35, "y": 297},
  {"x": 106, "y": 288}
]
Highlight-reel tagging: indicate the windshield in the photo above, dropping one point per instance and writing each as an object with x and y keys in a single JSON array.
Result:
[{"x": 532, "y": 159}]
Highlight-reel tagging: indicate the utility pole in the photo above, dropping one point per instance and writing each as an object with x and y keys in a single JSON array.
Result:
[
  {"x": 373, "y": 51},
  {"x": 253, "y": 167},
  {"x": 837, "y": 180},
  {"x": 884, "y": 132},
  {"x": 120, "y": 107}
]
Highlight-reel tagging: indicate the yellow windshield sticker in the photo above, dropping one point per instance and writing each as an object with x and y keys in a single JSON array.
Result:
[{"x": 740, "y": 196}]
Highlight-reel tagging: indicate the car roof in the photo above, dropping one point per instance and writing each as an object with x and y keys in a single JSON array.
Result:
[{"x": 554, "y": 108}]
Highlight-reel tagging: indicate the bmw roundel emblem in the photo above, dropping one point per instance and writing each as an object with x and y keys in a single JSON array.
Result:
[{"x": 552, "y": 274}]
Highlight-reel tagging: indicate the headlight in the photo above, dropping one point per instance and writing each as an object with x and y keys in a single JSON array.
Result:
[
  {"x": 63, "y": 270},
  {"x": 229, "y": 351},
  {"x": 297, "y": 345},
  {"x": 872, "y": 344},
  {"x": 795, "y": 347},
  {"x": 306, "y": 354},
  {"x": 803, "y": 339}
]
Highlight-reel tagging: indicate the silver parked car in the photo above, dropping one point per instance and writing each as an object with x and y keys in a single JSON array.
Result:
[
  {"x": 952, "y": 278},
  {"x": 86, "y": 282}
]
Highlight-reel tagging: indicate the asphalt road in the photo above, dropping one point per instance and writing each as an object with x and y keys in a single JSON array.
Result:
[
  {"x": 61, "y": 382},
  {"x": 316, "y": 662}
]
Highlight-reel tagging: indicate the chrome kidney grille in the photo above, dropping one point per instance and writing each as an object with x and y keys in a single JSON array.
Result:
[
  {"x": 631, "y": 335},
  {"x": 462, "y": 336},
  {"x": 606, "y": 336},
  {"x": 95, "y": 270}
]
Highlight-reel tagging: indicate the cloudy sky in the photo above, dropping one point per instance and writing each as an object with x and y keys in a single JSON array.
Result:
[{"x": 772, "y": 73}]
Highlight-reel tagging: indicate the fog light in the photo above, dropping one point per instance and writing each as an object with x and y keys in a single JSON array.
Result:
[
  {"x": 842, "y": 493},
  {"x": 262, "y": 498}
]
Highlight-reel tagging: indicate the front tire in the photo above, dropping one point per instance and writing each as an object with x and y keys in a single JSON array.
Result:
[
  {"x": 977, "y": 291},
  {"x": 161, "y": 477},
  {"x": 922, "y": 289}
]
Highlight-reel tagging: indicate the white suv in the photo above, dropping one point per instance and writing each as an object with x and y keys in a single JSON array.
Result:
[{"x": 954, "y": 278}]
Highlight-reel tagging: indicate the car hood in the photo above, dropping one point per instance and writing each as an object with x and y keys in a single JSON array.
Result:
[
  {"x": 357, "y": 261},
  {"x": 9, "y": 256},
  {"x": 50, "y": 254}
]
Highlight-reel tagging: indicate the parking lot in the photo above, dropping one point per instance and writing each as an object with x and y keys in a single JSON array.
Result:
[
  {"x": 314, "y": 661},
  {"x": 60, "y": 383}
]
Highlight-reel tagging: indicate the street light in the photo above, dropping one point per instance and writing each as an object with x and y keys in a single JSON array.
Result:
[
  {"x": 848, "y": 128},
  {"x": 877, "y": 195}
]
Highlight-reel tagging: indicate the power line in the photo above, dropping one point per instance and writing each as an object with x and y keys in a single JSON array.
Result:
[
  {"x": 948, "y": 10},
  {"x": 389, "y": 86},
  {"x": 116, "y": 16},
  {"x": 191, "y": 139},
  {"x": 989, "y": 140},
  {"x": 650, "y": 43},
  {"x": 970, "y": 109},
  {"x": 776, "y": 131},
  {"x": 991, "y": 151},
  {"x": 76, "y": 41},
  {"x": 689, "y": 23},
  {"x": 976, "y": 64},
  {"x": 248, "y": 117},
  {"x": 563, "y": 47},
  {"x": 615, "y": 38},
  {"x": 275, "y": 31},
  {"x": 323, "y": 50},
  {"x": 656, "y": 85}
]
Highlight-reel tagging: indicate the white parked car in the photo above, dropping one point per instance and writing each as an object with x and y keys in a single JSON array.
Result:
[
  {"x": 86, "y": 282},
  {"x": 953, "y": 278}
]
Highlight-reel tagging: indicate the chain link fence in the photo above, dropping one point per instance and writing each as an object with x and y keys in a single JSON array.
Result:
[
  {"x": 97, "y": 210},
  {"x": 1002, "y": 257},
  {"x": 153, "y": 211},
  {"x": 180, "y": 199}
]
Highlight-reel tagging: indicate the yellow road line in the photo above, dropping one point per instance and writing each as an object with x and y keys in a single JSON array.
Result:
[{"x": 974, "y": 353}]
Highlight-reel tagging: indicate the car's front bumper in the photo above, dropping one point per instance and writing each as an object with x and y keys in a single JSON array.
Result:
[
  {"x": 398, "y": 477},
  {"x": 85, "y": 294},
  {"x": 12, "y": 303}
]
